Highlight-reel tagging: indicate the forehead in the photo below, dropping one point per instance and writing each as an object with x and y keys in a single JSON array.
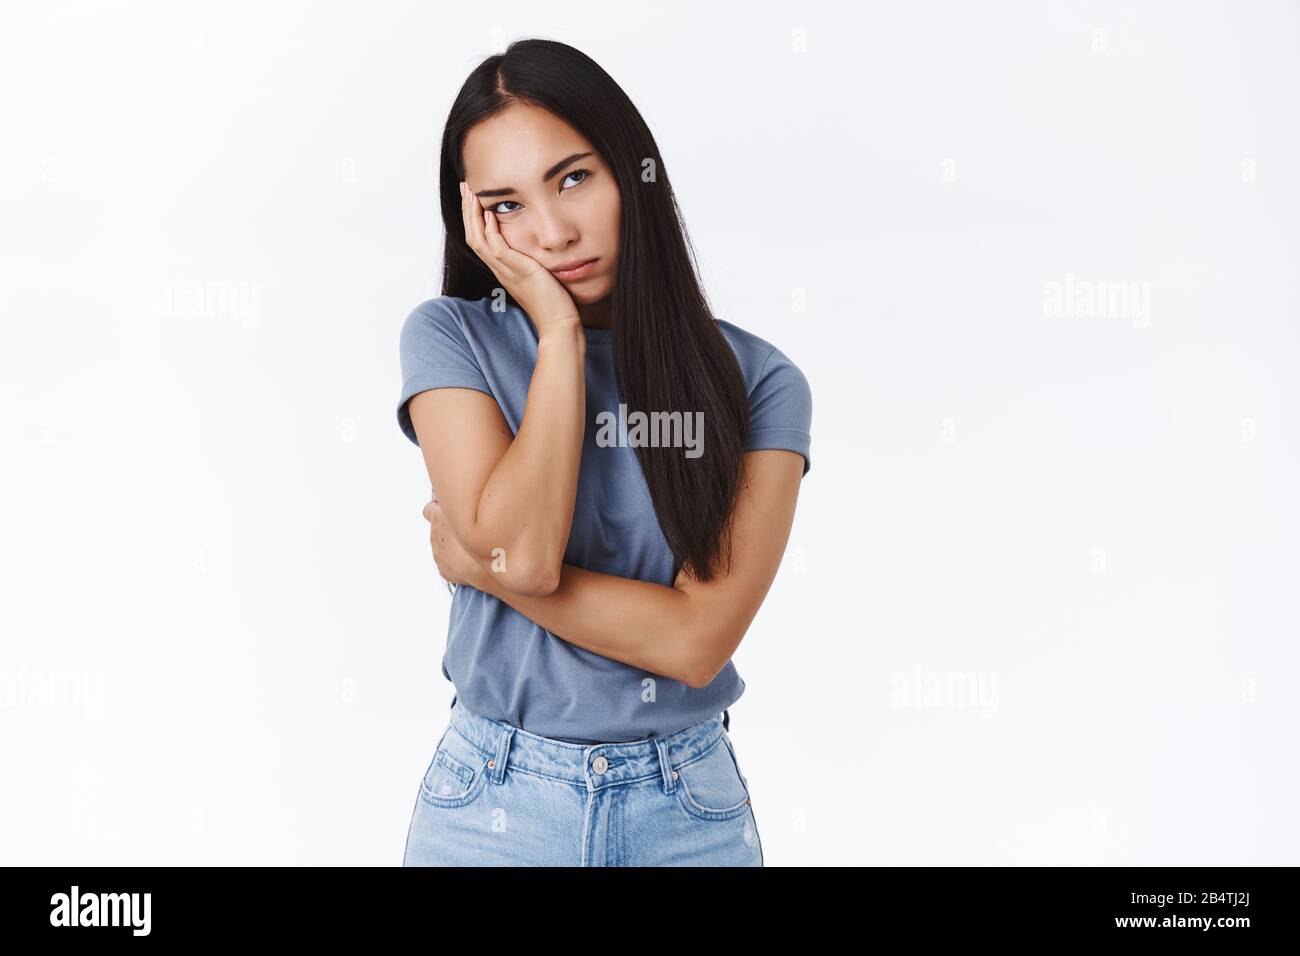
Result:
[{"x": 516, "y": 147}]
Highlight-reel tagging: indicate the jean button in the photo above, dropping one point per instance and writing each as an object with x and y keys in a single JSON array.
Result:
[{"x": 600, "y": 764}]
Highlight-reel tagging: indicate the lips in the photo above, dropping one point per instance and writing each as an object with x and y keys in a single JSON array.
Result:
[{"x": 571, "y": 266}]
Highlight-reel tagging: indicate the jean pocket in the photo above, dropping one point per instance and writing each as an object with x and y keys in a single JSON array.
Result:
[
  {"x": 710, "y": 787},
  {"x": 456, "y": 774}
]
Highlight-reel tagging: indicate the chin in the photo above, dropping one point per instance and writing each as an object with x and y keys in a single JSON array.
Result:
[{"x": 590, "y": 294}]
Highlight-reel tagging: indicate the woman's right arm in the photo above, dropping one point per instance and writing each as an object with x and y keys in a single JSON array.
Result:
[
  {"x": 510, "y": 501},
  {"x": 687, "y": 631}
]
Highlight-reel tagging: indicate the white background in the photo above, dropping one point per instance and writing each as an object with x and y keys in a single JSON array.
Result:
[{"x": 222, "y": 627}]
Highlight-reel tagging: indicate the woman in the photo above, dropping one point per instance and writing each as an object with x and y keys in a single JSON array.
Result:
[{"x": 608, "y": 567}]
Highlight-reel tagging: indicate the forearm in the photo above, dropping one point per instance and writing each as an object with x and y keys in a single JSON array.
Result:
[
  {"x": 646, "y": 625},
  {"x": 522, "y": 521}
]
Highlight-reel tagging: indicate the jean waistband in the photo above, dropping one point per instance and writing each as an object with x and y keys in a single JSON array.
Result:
[{"x": 591, "y": 765}]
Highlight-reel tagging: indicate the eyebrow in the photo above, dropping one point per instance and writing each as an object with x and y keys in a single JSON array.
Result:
[{"x": 550, "y": 174}]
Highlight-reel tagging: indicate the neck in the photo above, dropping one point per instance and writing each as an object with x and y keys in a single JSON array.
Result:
[{"x": 597, "y": 315}]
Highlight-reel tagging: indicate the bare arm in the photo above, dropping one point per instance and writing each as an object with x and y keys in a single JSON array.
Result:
[
  {"x": 688, "y": 631},
  {"x": 510, "y": 500}
]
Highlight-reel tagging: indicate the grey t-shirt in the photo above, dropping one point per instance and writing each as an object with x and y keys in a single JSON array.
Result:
[{"x": 501, "y": 664}]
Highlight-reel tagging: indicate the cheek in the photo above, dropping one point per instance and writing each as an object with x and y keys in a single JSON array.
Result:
[
  {"x": 608, "y": 215},
  {"x": 509, "y": 232}
]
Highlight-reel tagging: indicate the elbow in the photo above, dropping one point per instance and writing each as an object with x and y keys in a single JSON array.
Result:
[
  {"x": 702, "y": 669},
  {"x": 533, "y": 580},
  {"x": 540, "y": 570},
  {"x": 517, "y": 570},
  {"x": 701, "y": 677},
  {"x": 695, "y": 681},
  {"x": 710, "y": 650},
  {"x": 541, "y": 586}
]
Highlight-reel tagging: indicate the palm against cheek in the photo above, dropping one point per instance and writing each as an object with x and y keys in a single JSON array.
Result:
[
  {"x": 503, "y": 231},
  {"x": 542, "y": 295}
]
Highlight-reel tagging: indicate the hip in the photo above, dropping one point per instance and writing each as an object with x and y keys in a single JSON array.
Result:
[{"x": 496, "y": 795}]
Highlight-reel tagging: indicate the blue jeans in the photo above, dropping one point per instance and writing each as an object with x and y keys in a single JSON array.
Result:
[{"x": 496, "y": 795}]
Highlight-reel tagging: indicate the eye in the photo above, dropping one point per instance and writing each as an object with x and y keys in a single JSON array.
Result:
[{"x": 584, "y": 173}]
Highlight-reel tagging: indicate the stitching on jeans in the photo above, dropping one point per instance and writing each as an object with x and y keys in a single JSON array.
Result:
[
  {"x": 461, "y": 770},
  {"x": 720, "y": 814},
  {"x": 449, "y": 801},
  {"x": 515, "y": 768}
]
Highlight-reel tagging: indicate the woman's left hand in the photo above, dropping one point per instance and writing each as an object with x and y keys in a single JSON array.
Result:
[{"x": 455, "y": 564}]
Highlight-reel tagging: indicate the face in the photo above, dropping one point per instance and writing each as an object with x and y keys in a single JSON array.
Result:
[{"x": 554, "y": 197}]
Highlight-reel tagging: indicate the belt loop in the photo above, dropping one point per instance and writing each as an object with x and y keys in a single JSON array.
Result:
[
  {"x": 498, "y": 772},
  {"x": 726, "y": 719},
  {"x": 665, "y": 766}
]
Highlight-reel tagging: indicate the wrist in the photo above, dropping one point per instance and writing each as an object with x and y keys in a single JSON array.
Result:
[
  {"x": 482, "y": 579},
  {"x": 562, "y": 333}
]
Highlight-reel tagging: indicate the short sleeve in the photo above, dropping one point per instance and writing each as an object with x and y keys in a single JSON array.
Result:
[
  {"x": 780, "y": 409},
  {"x": 435, "y": 354}
]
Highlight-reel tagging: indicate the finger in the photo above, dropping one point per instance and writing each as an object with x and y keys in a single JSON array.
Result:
[
  {"x": 464, "y": 214},
  {"x": 483, "y": 235},
  {"x": 509, "y": 257},
  {"x": 492, "y": 234},
  {"x": 495, "y": 252},
  {"x": 473, "y": 213}
]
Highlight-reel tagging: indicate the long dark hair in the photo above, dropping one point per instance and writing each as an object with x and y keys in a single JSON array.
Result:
[{"x": 669, "y": 353}]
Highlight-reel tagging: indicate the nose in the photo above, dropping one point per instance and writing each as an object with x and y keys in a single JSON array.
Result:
[{"x": 555, "y": 230}]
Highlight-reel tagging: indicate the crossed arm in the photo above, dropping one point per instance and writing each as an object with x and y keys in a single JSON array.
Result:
[{"x": 687, "y": 631}]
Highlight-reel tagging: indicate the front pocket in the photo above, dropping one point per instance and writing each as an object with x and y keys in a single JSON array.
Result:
[
  {"x": 710, "y": 787},
  {"x": 456, "y": 774}
]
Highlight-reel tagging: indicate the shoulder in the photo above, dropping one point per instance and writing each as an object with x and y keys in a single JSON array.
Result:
[
  {"x": 438, "y": 333},
  {"x": 440, "y": 348},
  {"x": 467, "y": 325},
  {"x": 760, "y": 361},
  {"x": 780, "y": 399},
  {"x": 446, "y": 311},
  {"x": 470, "y": 321}
]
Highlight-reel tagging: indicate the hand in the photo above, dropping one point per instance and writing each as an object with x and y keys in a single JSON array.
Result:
[
  {"x": 455, "y": 564},
  {"x": 541, "y": 295}
]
